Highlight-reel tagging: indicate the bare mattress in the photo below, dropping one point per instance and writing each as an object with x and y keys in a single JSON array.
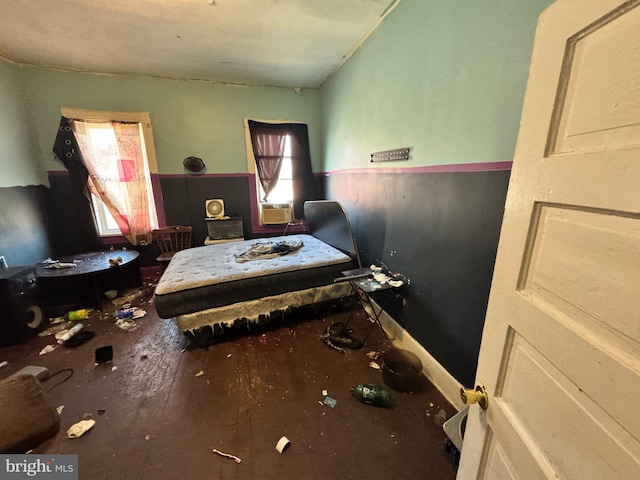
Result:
[{"x": 201, "y": 280}]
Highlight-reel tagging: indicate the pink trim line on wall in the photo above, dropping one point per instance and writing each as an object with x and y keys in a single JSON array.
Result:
[{"x": 458, "y": 167}]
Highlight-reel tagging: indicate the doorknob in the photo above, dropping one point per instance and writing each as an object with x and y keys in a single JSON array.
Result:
[{"x": 479, "y": 396}]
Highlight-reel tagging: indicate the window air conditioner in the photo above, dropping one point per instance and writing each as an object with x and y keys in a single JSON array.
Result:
[{"x": 273, "y": 214}]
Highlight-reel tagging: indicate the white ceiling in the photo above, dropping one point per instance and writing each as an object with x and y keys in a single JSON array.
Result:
[{"x": 293, "y": 43}]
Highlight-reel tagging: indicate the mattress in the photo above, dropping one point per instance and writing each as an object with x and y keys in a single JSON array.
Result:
[{"x": 207, "y": 277}]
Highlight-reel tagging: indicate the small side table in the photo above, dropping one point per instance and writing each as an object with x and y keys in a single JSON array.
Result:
[{"x": 363, "y": 283}]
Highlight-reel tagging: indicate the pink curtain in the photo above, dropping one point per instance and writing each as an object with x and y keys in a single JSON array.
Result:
[{"x": 117, "y": 174}]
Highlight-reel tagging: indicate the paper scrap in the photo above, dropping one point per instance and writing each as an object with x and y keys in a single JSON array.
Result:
[
  {"x": 47, "y": 349},
  {"x": 78, "y": 429},
  {"x": 235, "y": 459}
]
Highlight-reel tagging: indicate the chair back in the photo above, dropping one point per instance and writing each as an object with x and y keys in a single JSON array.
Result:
[{"x": 172, "y": 239}]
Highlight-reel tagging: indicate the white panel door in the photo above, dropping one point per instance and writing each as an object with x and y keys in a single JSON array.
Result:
[{"x": 560, "y": 355}]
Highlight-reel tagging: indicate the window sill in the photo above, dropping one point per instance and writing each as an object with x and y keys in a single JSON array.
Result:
[
  {"x": 112, "y": 239},
  {"x": 279, "y": 229}
]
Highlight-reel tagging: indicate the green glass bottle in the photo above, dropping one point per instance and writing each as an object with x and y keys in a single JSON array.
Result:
[{"x": 372, "y": 395}]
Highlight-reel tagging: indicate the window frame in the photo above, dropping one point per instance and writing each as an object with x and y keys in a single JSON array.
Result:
[
  {"x": 257, "y": 227},
  {"x": 144, "y": 120}
]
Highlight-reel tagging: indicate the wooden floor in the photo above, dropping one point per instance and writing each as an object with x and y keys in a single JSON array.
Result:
[{"x": 158, "y": 418}]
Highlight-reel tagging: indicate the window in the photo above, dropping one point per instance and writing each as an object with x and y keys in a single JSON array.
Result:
[
  {"x": 283, "y": 190},
  {"x": 117, "y": 149},
  {"x": 278, "y": 155}
]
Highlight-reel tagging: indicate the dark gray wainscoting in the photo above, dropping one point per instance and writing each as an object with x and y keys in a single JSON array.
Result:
[{"x": 441, "y": 231}]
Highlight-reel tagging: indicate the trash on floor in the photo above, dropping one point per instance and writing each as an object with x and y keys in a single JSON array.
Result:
[
  {"x": 127, "y": 297},
  {"x": 114, "y": 368},
  {"x": 440, "y": 417},
  {"x": 82, "y": 314},
  {"x": 372, "y": 395},
  {"x": 78, "y": 429},
  {"x": 338, "y": 336},
  {"x": 144, "y": 354},
  {"x": 64, "y": 336},
  {"x": 111, "y": 294},
  {"x": 330, "y": 402},
  {"x": 47, "y": 349},
  {"x": 127, "y": 325},
  {"x": 228, "y": 455},
  {"x": 375, "y": 365},
  {"x": 53, "y": 329},
  {"x": 200, "y": 373},
  {"x": 104, "y": 354},
  {"x": 125, "y": 313},
  {"x": 4, "y": 364},
  {"x": 59, "y": 409},
  {"x": 283, "y": 444},
  {"x": 373, "y": 355},
  {"x": 138, "y": 313}
]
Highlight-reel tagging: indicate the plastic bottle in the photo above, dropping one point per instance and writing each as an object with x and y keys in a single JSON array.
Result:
[
  {"x": 76, "y": 328},
  {"x": 80, "y": 314},
  {"x": 372, "y": 395}
]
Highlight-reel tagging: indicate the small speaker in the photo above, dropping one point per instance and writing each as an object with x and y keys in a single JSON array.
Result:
[
  {"x": 22, "y": 312},
  {"x": 214, "y": 207}
]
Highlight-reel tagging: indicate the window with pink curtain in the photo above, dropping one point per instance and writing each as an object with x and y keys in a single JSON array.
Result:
[{"x": 114, "y": 155}]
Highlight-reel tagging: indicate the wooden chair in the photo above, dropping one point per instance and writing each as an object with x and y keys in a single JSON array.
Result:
[{"x": 171, "y": 240}]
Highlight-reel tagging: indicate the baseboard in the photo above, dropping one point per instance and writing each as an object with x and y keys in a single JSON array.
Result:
[{"x": 432, "y": 369}]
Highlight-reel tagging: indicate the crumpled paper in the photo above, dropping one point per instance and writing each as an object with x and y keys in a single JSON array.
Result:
[{"x": 78, "y": 429}]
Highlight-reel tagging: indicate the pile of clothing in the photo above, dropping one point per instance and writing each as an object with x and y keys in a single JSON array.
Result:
[{"x": 269, "y": 250}]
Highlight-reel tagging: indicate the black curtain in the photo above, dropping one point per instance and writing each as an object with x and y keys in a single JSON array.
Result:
[
  {"x": 304, "y": 187},
  {"x": 67, "y": 151}
]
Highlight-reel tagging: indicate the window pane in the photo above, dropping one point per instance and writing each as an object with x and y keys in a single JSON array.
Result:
[
  {"x": 105, "y": 156},
  {"x": 283, "y": 191}
]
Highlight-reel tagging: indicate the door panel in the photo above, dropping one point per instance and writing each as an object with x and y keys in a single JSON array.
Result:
[
  {"x": 589, "y": 117},
  {"x": 560, "y": 355}
]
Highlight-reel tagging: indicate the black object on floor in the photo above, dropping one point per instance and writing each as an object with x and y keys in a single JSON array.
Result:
[
  {"x": 104, "y": 354},
  {"x": 79, "y": 338},
  {"x": 339, "y": 335}
]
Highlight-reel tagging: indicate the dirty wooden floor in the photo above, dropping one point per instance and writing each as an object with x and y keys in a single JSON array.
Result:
[{"x": 156, "y": 418}]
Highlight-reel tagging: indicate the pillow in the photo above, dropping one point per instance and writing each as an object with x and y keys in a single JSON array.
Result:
[{"x": 26, "y": 418}]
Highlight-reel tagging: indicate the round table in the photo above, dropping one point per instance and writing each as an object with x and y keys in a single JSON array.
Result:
[{"x": 92, "y": 266}]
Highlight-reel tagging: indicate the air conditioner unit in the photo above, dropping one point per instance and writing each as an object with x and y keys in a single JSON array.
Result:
[
  {"x": 214, "y": 207},
  {"x": 273, "y": 214}
]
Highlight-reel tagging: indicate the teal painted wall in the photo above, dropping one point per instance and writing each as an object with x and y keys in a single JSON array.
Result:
[
  {"x": 203, "y": 119},
  {"x": 446, "y": 78},
  {"x": 20, "y": 162}
]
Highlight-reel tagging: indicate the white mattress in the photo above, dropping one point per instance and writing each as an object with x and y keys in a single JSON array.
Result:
[{"x": 198, "y": 267}]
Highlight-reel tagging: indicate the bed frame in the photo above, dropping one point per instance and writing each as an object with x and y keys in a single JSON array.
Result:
[{"x": 206, "y": 286}]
